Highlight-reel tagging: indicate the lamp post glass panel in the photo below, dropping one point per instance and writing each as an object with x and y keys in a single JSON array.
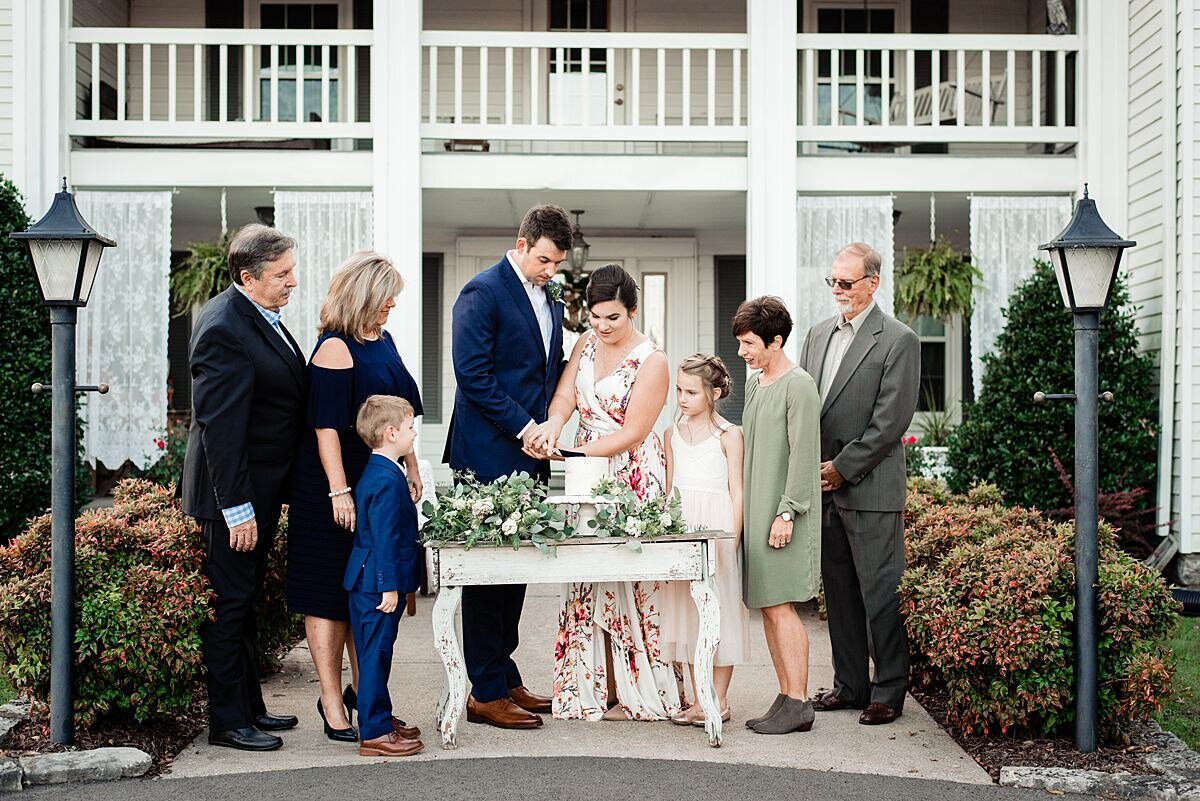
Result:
[
  {"x": 1086, "y": 256},
  {"x": 578, "y": 257},
  {"x": 66, "y": 255}
]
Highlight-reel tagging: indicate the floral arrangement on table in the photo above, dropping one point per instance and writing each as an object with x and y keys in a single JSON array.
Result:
[
  {"x": 626, "y": 516},
  {"x": 507, "y": 511}
]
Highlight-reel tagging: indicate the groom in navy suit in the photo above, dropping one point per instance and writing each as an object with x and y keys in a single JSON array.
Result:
[{"x": 508, "y": 356}]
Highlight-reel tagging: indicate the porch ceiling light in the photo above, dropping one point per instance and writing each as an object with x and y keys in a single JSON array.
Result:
[
  {"x": 1086, "y": 256},
  {"x": 578, "y": 257},
  {"x": 66, "y": 252}
]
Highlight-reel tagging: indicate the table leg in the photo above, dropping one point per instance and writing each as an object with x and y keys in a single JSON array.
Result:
[
  {"x": 705, "y": 596},
  {"x": 445, "y": 640}
]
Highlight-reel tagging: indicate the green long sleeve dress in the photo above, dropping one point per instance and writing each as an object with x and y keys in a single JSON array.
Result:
[{"x": 781, "y": 426}]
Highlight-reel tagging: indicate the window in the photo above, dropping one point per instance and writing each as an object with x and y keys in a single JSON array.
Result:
[
  {"x": 298, "y": 16},
  {"x": 654, "y": 307},
  {"x": 935, "y": 339},
  {"x": 567, "y": 64}
]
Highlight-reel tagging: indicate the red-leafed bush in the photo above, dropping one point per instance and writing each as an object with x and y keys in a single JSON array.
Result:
[
  {"x": 989, "y": 602},
  {"x": 140, "y": 598}
]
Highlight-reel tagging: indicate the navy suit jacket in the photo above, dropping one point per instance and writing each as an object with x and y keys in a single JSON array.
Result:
[
  {"x": 386, "y": 555},
  {"x": 505, "y": 377}
]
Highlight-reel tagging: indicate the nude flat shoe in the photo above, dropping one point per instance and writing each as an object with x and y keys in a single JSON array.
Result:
[{"x": 699, "y": 721}]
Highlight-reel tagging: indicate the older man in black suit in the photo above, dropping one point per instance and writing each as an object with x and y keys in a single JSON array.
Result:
[{"x": 248, "y": 392}]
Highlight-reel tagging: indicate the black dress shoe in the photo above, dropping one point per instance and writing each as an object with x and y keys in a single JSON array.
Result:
[
  {"x": 346, "y": 735},
  {"x": 877, "y": 714},
  {"x": 245, "y": 739},
  {"x": 350, "y": 699},
  {"x": 830, "y": 702},
  {"x": 269, "y": 722}
]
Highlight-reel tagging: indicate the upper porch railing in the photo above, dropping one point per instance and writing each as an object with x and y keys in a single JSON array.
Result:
[
  {"x": 219, "y": 84},
  {"x": 920, "y": 88}
]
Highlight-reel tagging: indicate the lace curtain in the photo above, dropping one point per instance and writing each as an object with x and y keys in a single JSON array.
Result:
[
  {"x": 122, "y": 332},
  {"x": 1005, "y": 234},
  {"x": 327, "y": 227},
  {"x": 825, "y": 225}
]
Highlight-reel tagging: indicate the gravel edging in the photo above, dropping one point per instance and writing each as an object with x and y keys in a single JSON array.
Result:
[{"x": 1172, "y": 772}]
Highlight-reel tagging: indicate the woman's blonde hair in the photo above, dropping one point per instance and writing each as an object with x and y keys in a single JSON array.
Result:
[
  {"x": 357, "y": 291},
  {"x": 713, "y": 375}
]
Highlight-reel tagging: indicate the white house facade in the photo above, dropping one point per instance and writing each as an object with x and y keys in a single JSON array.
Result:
[{"x": 719, "y": 149}]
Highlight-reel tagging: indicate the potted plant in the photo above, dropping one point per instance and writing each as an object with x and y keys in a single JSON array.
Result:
[
  {"x": 937, "y": 281},
  {"x": 203, "y": 274}
]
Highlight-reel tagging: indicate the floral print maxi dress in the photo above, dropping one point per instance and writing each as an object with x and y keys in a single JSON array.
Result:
[{"x": 629, "y": 612}]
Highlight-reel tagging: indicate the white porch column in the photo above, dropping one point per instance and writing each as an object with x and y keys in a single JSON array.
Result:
[
  {"x": 43, "y": 96},
  {"x": 396, "y": 123},
  {"x": 1102, "y": 114},
  {"x": 771, "y": 181}
]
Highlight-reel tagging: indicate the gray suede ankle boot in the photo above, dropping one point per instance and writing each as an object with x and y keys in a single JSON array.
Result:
[
  {"x": 778, "y": 702},
  {"x": 792, "y": 715}
]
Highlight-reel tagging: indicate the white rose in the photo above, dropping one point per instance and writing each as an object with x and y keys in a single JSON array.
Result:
[
  {"x": 665, "y": 520},
  {"x": 525, "y": 498},
  {"x": 633, "y": 527},
  {"x": 509, "y": 527}
]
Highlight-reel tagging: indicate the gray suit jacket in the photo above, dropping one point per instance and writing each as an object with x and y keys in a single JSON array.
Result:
[{"x": 868, "y": 408}]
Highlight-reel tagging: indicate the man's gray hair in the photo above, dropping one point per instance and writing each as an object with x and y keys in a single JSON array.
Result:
[
  {"x": 253, "y": 247},
  {"x": 872, "y": 261}
]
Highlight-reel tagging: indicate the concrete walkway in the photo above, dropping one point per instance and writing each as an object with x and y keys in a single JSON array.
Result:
[{"x": 912, "y": 747}]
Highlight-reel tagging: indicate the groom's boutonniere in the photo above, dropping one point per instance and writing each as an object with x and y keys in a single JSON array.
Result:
[{"x": 555, "y": 291}]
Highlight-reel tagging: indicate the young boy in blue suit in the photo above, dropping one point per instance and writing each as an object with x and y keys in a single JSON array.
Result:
[{"x": 383, "y": 567}]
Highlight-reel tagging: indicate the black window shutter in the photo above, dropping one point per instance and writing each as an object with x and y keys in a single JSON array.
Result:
[{"x": 730, "y": 292}]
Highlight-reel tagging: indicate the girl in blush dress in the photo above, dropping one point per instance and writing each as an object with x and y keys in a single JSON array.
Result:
[{"x": 704, "y": 462}]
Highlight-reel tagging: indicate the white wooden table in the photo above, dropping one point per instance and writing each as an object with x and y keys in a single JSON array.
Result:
[{"x": 681, "y": 557}]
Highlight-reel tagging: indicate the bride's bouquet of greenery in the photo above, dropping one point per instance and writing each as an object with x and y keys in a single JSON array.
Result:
[
  {"x": 636, "y": 520},
  {"x": 507, "y": 511}
]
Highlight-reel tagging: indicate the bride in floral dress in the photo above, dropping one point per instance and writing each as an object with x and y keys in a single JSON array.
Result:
[{"x": 617, "y": 379}]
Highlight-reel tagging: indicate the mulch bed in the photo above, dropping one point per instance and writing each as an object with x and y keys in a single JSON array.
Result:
[
  {"x": 1025, "y": 750},
  {"x": 161, "y": 740}
]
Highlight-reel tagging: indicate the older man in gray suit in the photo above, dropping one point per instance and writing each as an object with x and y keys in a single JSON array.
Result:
[{"x": 868, "y": 369}]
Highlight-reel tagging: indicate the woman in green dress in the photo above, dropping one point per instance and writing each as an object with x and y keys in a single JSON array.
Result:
[{"x": 781, "y": 540}]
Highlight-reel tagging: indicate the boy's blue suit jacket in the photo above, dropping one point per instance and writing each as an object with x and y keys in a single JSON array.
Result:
[{"x": 386, "y": 553}]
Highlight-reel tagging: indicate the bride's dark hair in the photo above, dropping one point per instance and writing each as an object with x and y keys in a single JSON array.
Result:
[{"x": 611, "y": 282}]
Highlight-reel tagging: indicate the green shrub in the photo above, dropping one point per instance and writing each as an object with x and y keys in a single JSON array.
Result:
[
  {"x": 24, "y": 359},
  {"x": 140, "y": 601},
  {"x": 1007, "y": 439},
  {"x": 167, "y": 470},
  {"x": 989, "y": 605}
]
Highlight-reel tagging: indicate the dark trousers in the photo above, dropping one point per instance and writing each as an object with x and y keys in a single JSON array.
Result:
[
  {"x": 862, "y": 557},
  {"x": 374, "y": 639},
  {"x": 229, "y": 640}
]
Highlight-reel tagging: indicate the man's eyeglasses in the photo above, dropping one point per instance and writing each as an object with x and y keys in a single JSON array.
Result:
[{"x": 842, "y": 283}]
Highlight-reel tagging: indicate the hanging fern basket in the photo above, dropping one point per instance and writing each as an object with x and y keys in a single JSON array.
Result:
[{"x": 937, "y": 282}]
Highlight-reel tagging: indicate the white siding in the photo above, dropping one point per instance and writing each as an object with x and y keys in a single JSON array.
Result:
[
  {"x": 6, "y": 88},
  {"x": 1190, "y": 94}
]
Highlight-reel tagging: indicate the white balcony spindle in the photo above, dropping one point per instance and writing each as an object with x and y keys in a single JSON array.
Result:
[
  {"x": 910, "y": 82},
  {"x": 585, "y": 71},
  {"x": 351, "y": 83},
  {"x": 197, "y": 84},
  {"x": 687, "y": 86},
  {"x": 458, "y": 85},
  {"x": 635, "y": 86},
  {"x": 661, "y": 88},
  {"x": 985, "y": 100},
  {"x": 737, "y": 85},
  {"x": 483, "y": 85},
  {"x": 433, "y": 84},
  {"x": 145, "y": 83},
  {"x": 274, "y": 51},
  {"x": 935, "y": 64},
  {"x": 1036, "y": 82},
  {"x": 960, "y": 89},
  {"x": 885, "y": 87},
  {"x": 610, "y": 80},
  {"x": 121, "y": 56},
  {"x": 810, "y": 87},
  {"x": 223, "y": 83},
  {"x": 1011, "y": 83},
  {"x": 299, "y": 87},
  {"x": 325, "y": 83},
  {"x": 95, "y": 86},
  {"x": 1060, "y": 88},
  {"x": 710, "y": 92},
  {"x": 172, "y": 81},
  {"x": 508, "y": 86},
  {"x": 859, "y": 86},
  {"x": 248, "y": 113},
  {"x": 534, "y": 73},
  {"x": 835, "y": 91},
  {"x": 560, "y": 69}
]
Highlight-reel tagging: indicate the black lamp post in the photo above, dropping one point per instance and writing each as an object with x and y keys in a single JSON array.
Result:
[
  {"x": 66, "y": 254},
  {"x": 1086, "y": 256}
]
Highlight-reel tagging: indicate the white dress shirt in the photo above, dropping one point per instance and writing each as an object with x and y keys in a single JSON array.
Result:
[{"x": 541, "y": 310}]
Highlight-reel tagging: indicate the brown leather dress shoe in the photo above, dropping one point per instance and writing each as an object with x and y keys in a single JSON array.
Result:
[
  {"x": 829, "y": 702},
  {"x": 390, "y": 745},
  {"x": 528, "y": 701},
  {"x": 876, "y": 714},
  {"x": 404, "y": 730},
  {"x": 501, "y": 713}
]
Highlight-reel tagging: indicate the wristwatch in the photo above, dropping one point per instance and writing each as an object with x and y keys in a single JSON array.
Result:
[{"x": 787, "y": 517}]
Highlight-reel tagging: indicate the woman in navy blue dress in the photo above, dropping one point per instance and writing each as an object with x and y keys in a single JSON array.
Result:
[{"x": 353, "y": 358}]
